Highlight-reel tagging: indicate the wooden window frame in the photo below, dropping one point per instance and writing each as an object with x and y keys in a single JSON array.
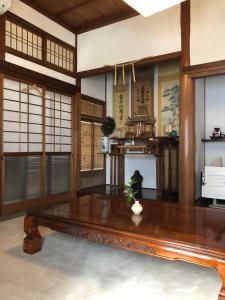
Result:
[
  {"x": 45, "y": 36},
  {"x": 92, "y": 120}
]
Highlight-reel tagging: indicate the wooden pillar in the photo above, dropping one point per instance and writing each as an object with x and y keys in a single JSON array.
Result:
[
  {"x": 76, "y": 153},
  {"x": 2, "y": 58},
  {"x": 1, "y": 145},
  {"x": 187, "y": 116},
  {"x": 2, "y": 37},
  {"x": 187, "y": 142}
]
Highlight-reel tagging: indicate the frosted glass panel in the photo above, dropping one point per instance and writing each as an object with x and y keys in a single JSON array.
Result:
[
  {"x": 49, "y": 113},
  {"x": 57, "y": 174},
  {"x": 23, "y": 127},
  {"x": 36, "y": 100},
  {"x": 24, "y": 147},
  {"x": 11, "y": 84},
  {"x": 22, "y": 178},
  {"x": 35, "y": 138},
  {"x": 10, "y": 126},
  {"x": 57, "y": 131},
  {"x": 49, "y": 147},
  {"x": 66, "y": 99},
  {"x": 33, "y": 109},
  {"x": 11, "y": 116},
  {"x": 66, "y": 107},
  {"x": 24, "y": 137},
  {"x": 66, "y": 148},
  {"x": 35, "y": 148},
  {"x": 11, "y": 105},
  {"x": 22, "y": 115},
  {"x": 24, "y": 97},
  {"x": 11, "y": 95},
  {"x": 58, "y": 117},
  {"x": 66, "y": 124},
  {"x": 66, "y": 132},
  {"x": 35, "y": 128},
  {"x": 57, "y": 105},
  {"x": 24, "y": 107},
  {"x": 9, "y": 147},
  {"x": 49, "y": 130},
  {"x": 11, "y": 137},
  {"x": 35, "y": 119}
]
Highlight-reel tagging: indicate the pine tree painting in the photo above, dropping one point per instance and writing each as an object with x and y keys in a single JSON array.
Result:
[{"x": 170, "y": 111}]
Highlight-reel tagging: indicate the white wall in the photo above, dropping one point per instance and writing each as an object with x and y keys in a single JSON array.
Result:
[
  {"x": 37, "y": 68},
  {"x": 29, "y": 14},
  {"x": 200, "y": 132},
  {"x": 214, "y": 115},
  {"x": 207, "y": 31},
  {"x": 210, "y": 108},
  {"x": 94, "y": 87},
  {"x": 131, "y": 39}
]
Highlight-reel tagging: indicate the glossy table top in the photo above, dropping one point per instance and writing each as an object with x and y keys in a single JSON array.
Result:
[{"x": 194, "y": 225}]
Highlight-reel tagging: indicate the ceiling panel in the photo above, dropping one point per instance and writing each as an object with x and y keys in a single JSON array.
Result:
[{"x": 83, "y": 15}]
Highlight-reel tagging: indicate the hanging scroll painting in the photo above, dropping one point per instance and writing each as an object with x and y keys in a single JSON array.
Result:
[
  {"x": 120, "y": 105},
  {"x": 142, "y": 94},
  {"x": 168, "y": 98}
]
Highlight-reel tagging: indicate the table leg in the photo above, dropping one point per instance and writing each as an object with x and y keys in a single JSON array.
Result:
[
  {"x": 33, "y": 241},
  {"x": 221, "y": 271}
]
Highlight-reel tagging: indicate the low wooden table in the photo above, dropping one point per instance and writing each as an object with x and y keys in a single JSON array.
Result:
[{"x": 168, "y": 230}]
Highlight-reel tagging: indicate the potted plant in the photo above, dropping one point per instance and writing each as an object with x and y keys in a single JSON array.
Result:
[
  {"x": 108, "y": 126},
  {"x": 130, "y": 196}
]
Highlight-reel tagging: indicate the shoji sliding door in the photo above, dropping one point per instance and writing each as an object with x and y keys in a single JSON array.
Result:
[
  {"x": 58, "y": 142},
  {"x": 36, "y": 146}
]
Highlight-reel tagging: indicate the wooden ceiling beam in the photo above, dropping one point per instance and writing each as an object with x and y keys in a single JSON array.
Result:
[
  {"x": 76, "y": 6},
  {"x": 48, "y": 15},
  {"x": 144, "y": 62},
  {"x": 105, "y": 21}
]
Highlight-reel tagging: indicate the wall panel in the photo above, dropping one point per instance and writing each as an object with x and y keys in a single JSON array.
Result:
[
  {"x": 131, "y": 39},
  {"x": 207, "y": 31},
  {"x": 37, "y": 68}
]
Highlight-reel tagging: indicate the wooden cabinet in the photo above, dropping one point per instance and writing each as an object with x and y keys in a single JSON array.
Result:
[
  {"x": 165, "y": 149},
  {"x": 167, "y": 164}
]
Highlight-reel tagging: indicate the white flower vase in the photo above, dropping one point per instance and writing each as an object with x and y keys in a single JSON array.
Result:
[
  {"x": 105, "y": 144},
  {"x": 137, "y": 207}
]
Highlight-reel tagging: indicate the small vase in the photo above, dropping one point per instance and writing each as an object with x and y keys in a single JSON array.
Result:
[
  {"x": 105, "y": 144},
  {"x": 136, "y": 208}
]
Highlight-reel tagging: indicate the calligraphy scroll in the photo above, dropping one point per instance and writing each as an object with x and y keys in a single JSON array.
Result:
[
  {"x": 120, "y": 103},
  {"x": 142, "y": 104},
  {"x": 168, "y": 97}
]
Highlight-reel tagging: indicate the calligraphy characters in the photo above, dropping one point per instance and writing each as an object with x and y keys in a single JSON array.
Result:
[
  {"x": 142, "y": 98},
  {"x": 121, "y": 106}
]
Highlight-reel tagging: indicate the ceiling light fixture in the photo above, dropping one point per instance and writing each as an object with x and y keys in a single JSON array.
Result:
[
  {"x": 150, "y": 7},
  {"x": 4, "y": 6}
]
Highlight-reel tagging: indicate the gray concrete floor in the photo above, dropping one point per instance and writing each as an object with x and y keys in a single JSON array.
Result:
[{"x": 70, "y": 268}]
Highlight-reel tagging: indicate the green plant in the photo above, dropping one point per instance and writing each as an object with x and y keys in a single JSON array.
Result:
[
  {"x": 108, "y": 126},
  {"x": 129, "y": 191}
]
